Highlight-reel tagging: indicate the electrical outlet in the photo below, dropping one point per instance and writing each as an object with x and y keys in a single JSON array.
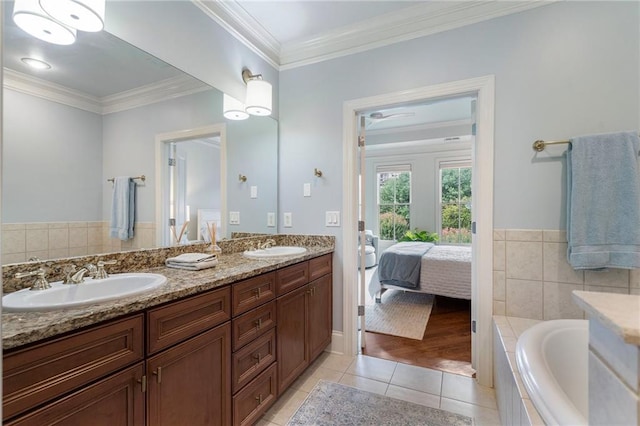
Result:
[
  {"x": 234, "y": 218},
  {"x": 271, "y": 219},
  {"x": 288, "y": 221},
  {"x": 254, "y": 191},
  {"x": 307, "y": 190}
]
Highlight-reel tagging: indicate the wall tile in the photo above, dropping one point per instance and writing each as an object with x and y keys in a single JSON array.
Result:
[
  {"x": 13, "y": 241},
  {"x": 523, "y": 235},
  {"x": 524, "y": 260},
  {"x": 499, "y": 285},
  {"x": 609, "y": 278},
  {"x": 58, "y": 225},
  {"x": 554, "y": 236},
  {"x": 78, "y": 251},
  {"x": 499, "y": 307},
  {"x": 13, "y": 258},
  {"x": 36, "y": 225},
  {"x": 58, "y": 238},
  {"x": 77, "y": 224},
  {"x": 558, "y": 302},
  {"x": 634, "y": 278},
  {"x": 524, "y": 299},
  {"x": 94, "y": 236},
  {"x": 58, "y": 253},
  {"x": 78, "y": 237},
  {"x": 499, "y": 234},
  {"x": 37, "y": 239},
  {"x": 12, "y": 227},
  {"x": 499, "y": 256},
  {"x": 40, "y": 254},
  {"x": 555, "y": 265},
  {"x": 605, "y": 289}
]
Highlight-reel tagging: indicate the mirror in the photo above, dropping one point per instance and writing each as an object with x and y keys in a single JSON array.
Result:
[{"x": 94, "y": 115}]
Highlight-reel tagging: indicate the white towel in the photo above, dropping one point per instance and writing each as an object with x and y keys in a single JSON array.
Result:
[
  {"x": 122, "y": 208},
  {"x": 192, "y": 261}
]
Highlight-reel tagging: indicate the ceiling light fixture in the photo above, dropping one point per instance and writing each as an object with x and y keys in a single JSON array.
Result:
[
  {"x": 258, "y": 100},
  {"x": 29, "y": 16},
  {"x": 233, "y": 109},
  {"x": 83, "y": 15},
  {"x": 37, "y": 64}
]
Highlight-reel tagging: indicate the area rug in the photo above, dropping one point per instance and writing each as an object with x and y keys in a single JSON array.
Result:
[
  {"x": 401, "y": 313},
  {"x": 331, "y": 403}
]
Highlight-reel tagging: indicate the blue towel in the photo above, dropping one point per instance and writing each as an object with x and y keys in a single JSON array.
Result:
[
  {"x": 603, "y": 201},
  {"x": 123, "y": 208}
]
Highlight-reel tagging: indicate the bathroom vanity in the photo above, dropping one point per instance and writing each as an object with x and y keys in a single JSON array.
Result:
[{"x": 212, "y": 347}]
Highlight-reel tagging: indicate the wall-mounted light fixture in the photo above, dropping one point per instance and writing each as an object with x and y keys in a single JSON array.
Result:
[
  {"x": 317, "y": 173},
  {"x": 83, "y": 15},
  {"x": 36, "y": 63},
  {"x": 233, "y": 109},
  {"x": 258, "y": 100},
  {"x": 31, "y": 18}
]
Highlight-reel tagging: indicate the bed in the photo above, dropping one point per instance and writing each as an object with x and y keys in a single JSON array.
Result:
[{"x": 424, "y": 268}]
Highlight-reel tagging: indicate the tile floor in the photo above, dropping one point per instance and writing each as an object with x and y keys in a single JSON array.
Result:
[{"x": 432, "y": 388}]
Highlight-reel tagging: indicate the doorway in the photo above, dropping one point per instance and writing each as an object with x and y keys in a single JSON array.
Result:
[
  {"x": 190, "y": 184},
  {"x": 417, "y": 195},
  {"x": 481, "y": 300}
]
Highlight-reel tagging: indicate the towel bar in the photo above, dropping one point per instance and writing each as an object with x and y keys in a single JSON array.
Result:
[{"x": 141, "y": 177}]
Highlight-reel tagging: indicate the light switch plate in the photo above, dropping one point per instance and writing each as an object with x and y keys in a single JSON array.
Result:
[
  {"x": 332, "y": 218},
  {"x": 288, "y": 220},
  {"x": 271, "y": 219},
  {"x": 254, "y": 191},
  {"x": 307, "y": 190},
  {"x": 234, "y": 218}
]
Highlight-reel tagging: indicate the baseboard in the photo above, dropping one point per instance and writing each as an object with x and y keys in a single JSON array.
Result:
[{"x": 337, "y": 343}]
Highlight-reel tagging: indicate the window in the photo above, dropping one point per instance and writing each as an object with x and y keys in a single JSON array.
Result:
[
  {"x": 455, "y": 202},
  {"x": 394, "y": 200}
]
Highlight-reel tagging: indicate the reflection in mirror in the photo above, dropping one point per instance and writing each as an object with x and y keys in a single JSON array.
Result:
[{"x": 95, "y": 115}]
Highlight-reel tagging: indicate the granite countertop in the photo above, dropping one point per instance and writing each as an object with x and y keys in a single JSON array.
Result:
[
  {"x": 618, "y": 312},
  {"x": 19, "y": 329}
]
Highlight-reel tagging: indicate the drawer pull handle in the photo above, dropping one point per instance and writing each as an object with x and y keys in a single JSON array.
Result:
[
  {"x": 258, "y": 357},
  {"x": 259, "y": 399},
  {"x": 158, "y": 374},
  {"x": 257, "y": 292},
  {"x": 258, "y": 323},
  {"x": 143, "y": 383}
]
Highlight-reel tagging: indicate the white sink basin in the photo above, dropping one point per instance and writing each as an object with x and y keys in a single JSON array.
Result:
[
  {"x": 61, "y": 296},
  {"x": 277, "y": 251}
]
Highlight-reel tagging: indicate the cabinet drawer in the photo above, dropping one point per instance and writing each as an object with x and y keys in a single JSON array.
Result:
[
  {"x": 120, "y": 395},
  {"x": 253, "y": 324},
  {"x": 320, "y": 266},
  {"x": 251, "y": 360},
  {"x": 253, "y": 292},
  {"x": 292, "y": 277},
  {"x": 178, "y": 321},
  {"x": 38, "y": 374},
  {"x": 255, "y": 398}
]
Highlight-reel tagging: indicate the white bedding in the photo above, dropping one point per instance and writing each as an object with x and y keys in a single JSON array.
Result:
[{"x": 444, "y": 271}]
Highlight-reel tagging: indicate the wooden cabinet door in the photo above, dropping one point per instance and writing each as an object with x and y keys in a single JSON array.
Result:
[
  {"x": 293, "y": 355},
  {"x": 116, "y": 400},
  {"x": 320, "y": 315},
  {"x": 190, "y": 383}
]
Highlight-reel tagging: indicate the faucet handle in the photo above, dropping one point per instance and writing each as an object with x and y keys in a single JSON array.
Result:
[
  {"x": 101, "y": 273},
  {"x": 68, "y": 270},
  {"x": 40, "y": 282}
]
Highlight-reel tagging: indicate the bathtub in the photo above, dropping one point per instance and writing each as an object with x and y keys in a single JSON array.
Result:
[{"x": 552, "y": 358}]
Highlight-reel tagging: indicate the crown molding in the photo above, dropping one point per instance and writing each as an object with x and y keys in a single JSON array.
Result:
[
  {"x": 403, "y": 25},
  {"x": 161, "y": 91},
  {"x": 34, "y": 86},
  {"x": 237, "y": 22}
]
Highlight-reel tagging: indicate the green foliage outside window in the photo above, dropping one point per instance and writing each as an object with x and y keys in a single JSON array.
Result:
[
  {"x": 394, "y": 198},
  {"x": 456, "y": 205}
]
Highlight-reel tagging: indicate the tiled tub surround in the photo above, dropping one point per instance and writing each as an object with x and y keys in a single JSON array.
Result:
[
  {"x": 52, "y": 240},
  {"x": 532, "y": 278},
  {"x": 22, "y": 328},
  {"x": 514, "y": 404},
  {"x": 614, "y": 357}
]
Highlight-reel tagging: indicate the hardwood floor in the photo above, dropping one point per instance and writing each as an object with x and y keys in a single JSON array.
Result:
[{"x": 446, "y": 344}]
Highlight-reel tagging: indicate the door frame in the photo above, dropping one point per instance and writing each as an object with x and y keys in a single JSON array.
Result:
[
  {"x": 482, "y": 257},
  {"x": 162, "y": 182}
]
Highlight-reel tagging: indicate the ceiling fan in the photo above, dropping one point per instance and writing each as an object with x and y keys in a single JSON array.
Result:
[{"x": 378, "y": 116}]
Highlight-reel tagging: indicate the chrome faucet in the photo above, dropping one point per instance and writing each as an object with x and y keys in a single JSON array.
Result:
[
  {"x": 267, "y": 244},
  {"x": 40, "y": 282},
  {"x": 101, "y": 273},
  {"x": 78, "y": 276}
]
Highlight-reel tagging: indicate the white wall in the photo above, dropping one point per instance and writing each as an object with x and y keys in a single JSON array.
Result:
[
  {"x": 565, "y": 69},
  {"x": 52, "y": 161}
]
